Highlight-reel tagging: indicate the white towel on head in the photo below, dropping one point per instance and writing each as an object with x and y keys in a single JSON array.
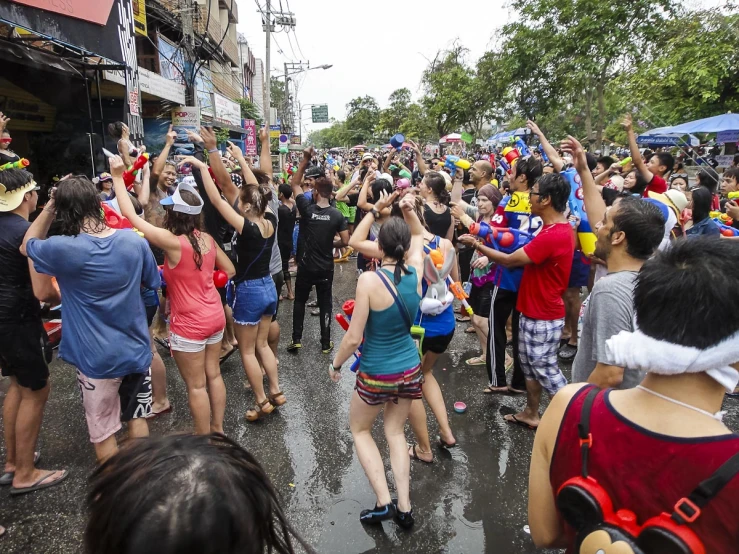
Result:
[{"x": 639, "y": 351}]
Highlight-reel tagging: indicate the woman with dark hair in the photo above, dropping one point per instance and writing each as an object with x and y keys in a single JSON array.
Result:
[
  {"x": 437, "y": 214},
  {"x": 287, "y": 214},
  {"x": 702, "y": 222},
  {"x": 126, "y": 149},
  {"x": 254, "y": 298},
  {"x": 186, "y": 493},
  {"x": 708, "y": 178},
  {"x": 197, "y": 320},
  {"x": 634, "y": 183},
  {"x": 385, "y": 304}
]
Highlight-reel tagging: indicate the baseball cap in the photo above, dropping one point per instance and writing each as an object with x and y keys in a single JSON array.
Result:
[
  {"x": 313, "y": 172},
  {"x": 368, "y": 156},
  {"x": 616, "y": 182},
  {"x": 178, "y": 204}
]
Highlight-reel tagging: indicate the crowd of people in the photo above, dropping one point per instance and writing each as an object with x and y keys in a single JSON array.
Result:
[{"x": 560, "y": 256}]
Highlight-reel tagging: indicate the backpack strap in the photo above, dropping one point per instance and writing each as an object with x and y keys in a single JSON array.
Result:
[
  {"x": 688, "y": 509},
  {"x": 583, "y": 429},
  {"x": 403, "y": 310}
]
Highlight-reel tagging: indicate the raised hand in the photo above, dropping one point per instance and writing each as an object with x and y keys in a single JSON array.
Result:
[
  {"x": 573, "y": 147},
  {"x": 234, "y": 150},
  {"x": 192, "y": 160},
  {"x": 3, "y": 122},
  {"x": 171, "y": 136},
  {"x": 385, "y": 200},
  {"x": 193, "y": 137},
  {"x": 264, "y": 133},
  {"x": 117, "y": 167},
  {"x": 627, "y": 122},
  {"x": 533, "y": 127},
  {"x": 209, "y": 138}
]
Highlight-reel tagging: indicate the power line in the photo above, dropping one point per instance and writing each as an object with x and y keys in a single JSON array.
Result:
[{"x": 291, "y": 43}]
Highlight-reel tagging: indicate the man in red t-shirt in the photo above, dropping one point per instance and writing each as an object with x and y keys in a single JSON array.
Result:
[
  {"x": 547, "y": 261},
  {"x": 656, "y": 170}
]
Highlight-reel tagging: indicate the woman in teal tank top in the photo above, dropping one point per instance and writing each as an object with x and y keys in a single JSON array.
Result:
[{"x": 390, "y": 372}]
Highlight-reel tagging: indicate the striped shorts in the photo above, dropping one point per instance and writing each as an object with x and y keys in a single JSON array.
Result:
[
  {"x": 538, "y": 341},
  {"x": 378, "y": 389}
]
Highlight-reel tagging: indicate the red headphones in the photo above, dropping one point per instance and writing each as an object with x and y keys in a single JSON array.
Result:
[{"x": 588, "y": 508}]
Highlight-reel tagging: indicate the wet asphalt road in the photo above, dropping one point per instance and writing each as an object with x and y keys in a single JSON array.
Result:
[{"x": 472, "y": 499}]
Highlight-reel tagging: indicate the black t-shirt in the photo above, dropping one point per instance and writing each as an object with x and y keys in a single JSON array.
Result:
[
  {"x": 318, "y": 226},
  {"x": 287, "y": 219},
  {"x": 9, "y": 157},
  {"x": 17, "y": 302},
  {"x": 253, "y": 251},
  {"x": 438, "y": 224},
  {"x": 214, "y": 223}
]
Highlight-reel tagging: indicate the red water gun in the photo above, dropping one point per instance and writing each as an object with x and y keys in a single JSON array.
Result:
[
  {"x": 344, "y": 320},
  {"x": 129, "y": 176}
]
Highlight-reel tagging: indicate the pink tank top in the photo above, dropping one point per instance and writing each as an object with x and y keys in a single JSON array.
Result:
[{"x": 196, "y": 309}]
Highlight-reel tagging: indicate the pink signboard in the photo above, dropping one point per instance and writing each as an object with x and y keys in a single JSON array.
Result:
[{"x": 250, "y": 141}]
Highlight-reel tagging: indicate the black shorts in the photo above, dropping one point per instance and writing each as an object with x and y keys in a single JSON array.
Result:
[
  {"x": 480, "y": 299},
  {"x": 438, "y": 344},
  {"x": 279, "y": 279},
  {"x": 25, "y": 353}
]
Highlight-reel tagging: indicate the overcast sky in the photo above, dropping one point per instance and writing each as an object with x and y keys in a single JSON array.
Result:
[{"x": 361, "y": 39}]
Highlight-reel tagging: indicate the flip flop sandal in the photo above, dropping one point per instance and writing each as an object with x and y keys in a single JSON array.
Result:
[
  {"x": 444, "y": 444},
  {"x": 477, "y": 360},
  {"x": 261, "y": 409},
  {"x": 463, "y": 318},
  {"x": 153, "y": 414},
  {"x": 39, "y": 485},
  {"x": 495, "y": 390},
  {"x": 516, "y": 391},
  {"x": 515, "y": 421},
  {"x": 470, "y": 329},
  {"x": 414, "y": 455},
  {"x": 228, "y": 354},
  {"x": 273, "y": 399},
  {"x": 6, "y": 478}
]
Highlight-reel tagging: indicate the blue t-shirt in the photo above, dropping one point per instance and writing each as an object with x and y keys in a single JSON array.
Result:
[{"x": 105, "y": 334}]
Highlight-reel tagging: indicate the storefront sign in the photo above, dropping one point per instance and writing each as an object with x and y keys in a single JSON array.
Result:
[
  {"x": 226, "y": 111},
  {"x": 295, "y": 139},
  {"x": 151, "y": 83},
  {"x": 27, "y": 113},
  {"x": 94, "y": 11},
  {"x": 125, "y": 33},
  {"x": 139, "y": 16},
  {"x": 274, "y": 131},
  {"x": 250, "y": 142}
]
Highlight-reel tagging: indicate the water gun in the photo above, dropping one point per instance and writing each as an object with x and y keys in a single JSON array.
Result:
[
  {"x": 504, "y": 239},
  {"x": 129, "y": 176},
  {"x": 114, "y": 219},
  {"x": 454, "y": 162},
  {"x": 726, "y": 230},
  {"x": 505, "y": 166},
  {"x": 511, "y": 155},
  {"x": 585, "y": 233},
  {"x": 455, "y": 288},
  {"x": 343, "y": 320},
  {"x": 521, "y": 147},
  {"x": 20, "y": 164},
  {"x": 332, "y": 163},
  {"x": 625, "y": 161},
  {"x": 732, "y": 195},
  {"x": 721, "y": 217},
  {"x": 543, "y": 154}
]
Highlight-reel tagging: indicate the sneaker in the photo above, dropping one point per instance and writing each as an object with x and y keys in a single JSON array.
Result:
[
  {"x": 312, "y": 303},
  {"x": 403, "y": 519},
  {"x": 378, "y": 514},
  {"x": 329, "y": 348},
  {"x": 294, "y": 347},
  {"x": 317, "y": 311}
]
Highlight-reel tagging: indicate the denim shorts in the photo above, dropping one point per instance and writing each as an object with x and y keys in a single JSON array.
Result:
[{"x": 254, "y": 299}]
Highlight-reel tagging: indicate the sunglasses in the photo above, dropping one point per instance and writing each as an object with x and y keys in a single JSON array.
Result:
[{"x": 6, "y": 140}]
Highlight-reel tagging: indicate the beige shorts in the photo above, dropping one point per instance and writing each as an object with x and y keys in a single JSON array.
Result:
[
  {"x": 108, "y": 402},
  {"x": 181, "y": 344}
]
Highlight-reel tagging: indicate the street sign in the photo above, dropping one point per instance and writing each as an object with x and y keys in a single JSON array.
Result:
[
  {"x": 320, "y": 113},
  {"x": 284, "y": 141},
  {"x": 274, "y": 131},
  {"x": 295, "y": 139},
  {"x": 251, "y": 137}
]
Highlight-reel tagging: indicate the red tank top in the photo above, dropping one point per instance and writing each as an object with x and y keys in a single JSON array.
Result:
[
  {"x": 646, "y": 472},
  {"x": 197, "y": 312}
]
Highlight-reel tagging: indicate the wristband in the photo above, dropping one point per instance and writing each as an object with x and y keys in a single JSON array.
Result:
[
  {"x": 214, "y": 151},
  {"x": 375, "y": 213},
  {"x": 332, "y": 368}
]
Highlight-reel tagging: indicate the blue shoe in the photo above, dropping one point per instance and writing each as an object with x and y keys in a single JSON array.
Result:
[{"x": 378, "y": 514}]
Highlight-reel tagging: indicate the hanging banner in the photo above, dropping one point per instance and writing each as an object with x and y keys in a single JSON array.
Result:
[
  {"x": 250, "y": 142},
  {"x": 132, "y": 108},
  {"x": 139, "y": 17}
]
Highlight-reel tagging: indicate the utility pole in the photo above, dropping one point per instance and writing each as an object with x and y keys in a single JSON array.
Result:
[
  {"x": 189, "y": 40},
  {"x": 267, "y": 77}
]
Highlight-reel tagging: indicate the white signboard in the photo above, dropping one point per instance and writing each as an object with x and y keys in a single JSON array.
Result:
[
  {"x": 226, "y": 111},
  {"x": 151, "y": 83},
  {"x": 185, "y": 118}
]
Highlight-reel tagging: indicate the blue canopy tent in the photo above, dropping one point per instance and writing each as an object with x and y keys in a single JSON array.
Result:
[
  {"x": 716, "y": 124},
  {"x": 665, "y": 139},
  {"x": 505, "y": 135}
]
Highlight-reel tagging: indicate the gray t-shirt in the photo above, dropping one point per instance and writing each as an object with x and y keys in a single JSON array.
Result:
[
  {"x": 608, "y": 310},
  {"x": 275, "y": 263}
]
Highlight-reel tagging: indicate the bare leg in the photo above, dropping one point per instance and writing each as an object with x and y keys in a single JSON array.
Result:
[
  {"x": 106, "y": 449},
  {"x": 417, "y": 416},
  {"x": 481, "y": 328},
  {"x": 395, "y": 417},
  {"x": 266, "y": 354},
  {"x": 247, "y": 337},
  {"x": 573, "y": 303},
  {"x": 361, "y": 418},
  {"x": 138, "y": 428},
  {"x": 158, "y": 381},
  {"x": 530, "y": 414},
  {"x": 273, "y": 339},
  {"x": 27, "y": 426},
  {"x": 216, "y": 388},
  {"x": 434, "y": 398},
  {"x": 229, "y": 337},
  {"x": 10, "y": 415},
  {"x": 192, "y": 369}
]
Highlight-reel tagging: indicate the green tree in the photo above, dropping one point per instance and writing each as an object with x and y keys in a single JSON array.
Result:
[
  {"x": 249, "y": 110},
  {"x": 362, "y": 115},
  {"x": 392, "y": 117}
]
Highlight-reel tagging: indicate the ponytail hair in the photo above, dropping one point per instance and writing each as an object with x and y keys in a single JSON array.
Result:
[
  {"x": 395, "y": 240},
  {"x": 436, "y": 182}
]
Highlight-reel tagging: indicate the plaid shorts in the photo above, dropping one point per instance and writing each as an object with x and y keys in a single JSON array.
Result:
[{"x": 538, "y": 341}]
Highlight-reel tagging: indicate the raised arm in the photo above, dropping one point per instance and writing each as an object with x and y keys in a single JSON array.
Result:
[
  {"x": 636, "y": 158},
  {"x": 40, "y": 227},
  {"x": 297, "y": 177},
  {"x": 122, "y": 146},
  {"x": 157, "y": 236},
  {"x": 359, "y": 240},
  {"x": 265, "y": 156},
  {"x": 341, "y": 195},
  {"x": 422, "y": 169},
  {"x": 595, "y": 206},
  {"x": 458, "y": 186},
  {"x": 557, "y": 162},
  {"x": 158, "y": 167},
  {"x": 362, "y": 202}
]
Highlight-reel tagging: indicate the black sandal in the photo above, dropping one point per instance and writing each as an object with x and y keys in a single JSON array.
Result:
[{"x": 414, "y": 455}]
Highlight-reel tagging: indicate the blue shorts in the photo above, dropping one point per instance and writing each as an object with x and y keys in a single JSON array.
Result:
[
  {"x": 580, "y": 273},
  {"x": 254, "y": 299}
]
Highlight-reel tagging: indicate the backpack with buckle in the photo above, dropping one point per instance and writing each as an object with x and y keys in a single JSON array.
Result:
[{"x": 587, "y": 507}]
